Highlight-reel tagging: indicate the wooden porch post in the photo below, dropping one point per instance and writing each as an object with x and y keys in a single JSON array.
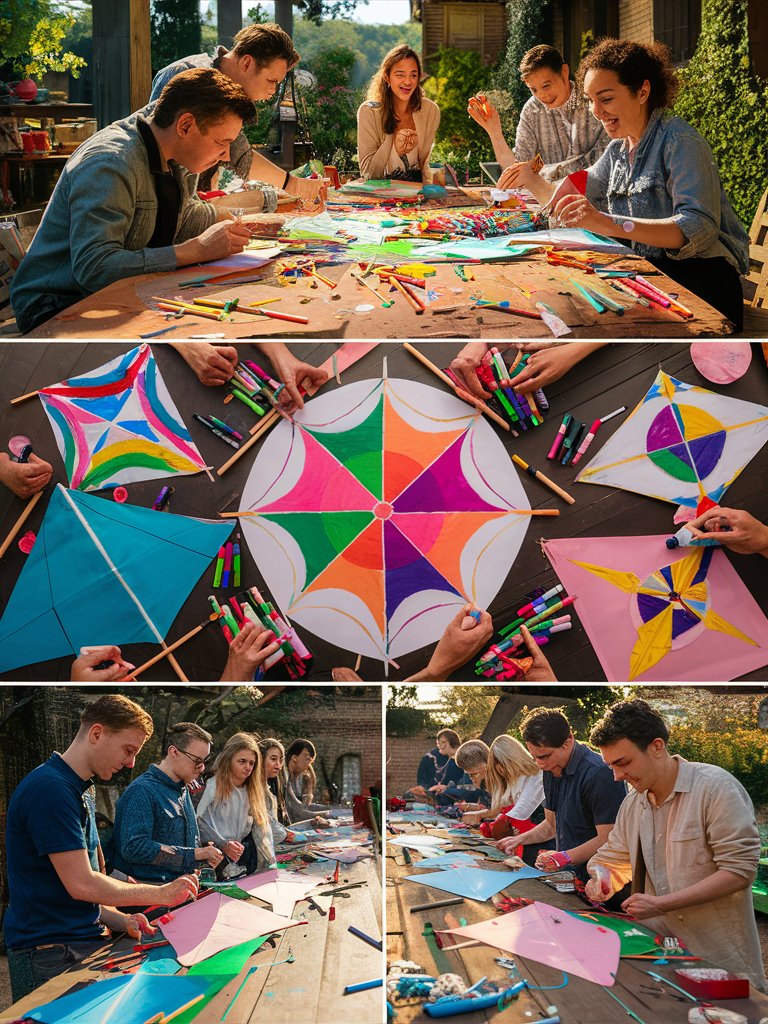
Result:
[{"x": 121, "y": 58}]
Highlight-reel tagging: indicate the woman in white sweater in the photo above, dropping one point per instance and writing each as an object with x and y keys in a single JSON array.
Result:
[
  {"x": 516, "y": 786},
  {"x": 396, "y": 125},
  {"x": 232, "y": 812}
]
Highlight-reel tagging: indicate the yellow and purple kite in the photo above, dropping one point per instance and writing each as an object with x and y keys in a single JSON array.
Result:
[{"x": 118, "y": 425}]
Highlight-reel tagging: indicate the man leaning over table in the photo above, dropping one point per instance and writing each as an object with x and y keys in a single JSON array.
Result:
[
  {"x": 60, "y": 907},
  {"x": 126, "y": 201},
  {"x": 686, "y": 839}
]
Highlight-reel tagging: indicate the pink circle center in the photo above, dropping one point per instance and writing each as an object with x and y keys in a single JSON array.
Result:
[{"x": 383, "y": 510}]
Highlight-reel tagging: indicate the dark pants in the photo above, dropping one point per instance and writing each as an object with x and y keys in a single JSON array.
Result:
[
  {"x": 715, "y": 280},
  {"x": 30, "y": 968}
]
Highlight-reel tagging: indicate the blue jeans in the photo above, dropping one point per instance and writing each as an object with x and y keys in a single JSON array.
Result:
[{"x": 30, "y": 968}]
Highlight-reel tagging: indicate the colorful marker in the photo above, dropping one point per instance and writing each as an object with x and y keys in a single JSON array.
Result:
[
  {"x": 227, "y": 564},
  {"x": 163, "y": 498},
  {"x": 543, "y": 598},
  {"x": 219, "y": 567},
  {"x": 560, "y": 436},
  {"x": 574, "y": 445},
  {"x": 569, "y": 438},
  {"x": 225, "y": 427},
  {"x": 587, "y": 441},
  {"x": 538, "y": 475},
  {"x": 215, "y": 430},
  {"x": 236, "y": 564}
]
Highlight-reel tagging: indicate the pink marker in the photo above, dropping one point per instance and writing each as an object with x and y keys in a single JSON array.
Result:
[
  {"x": 560, "y": 436},
  {"x": 587, "y": 441},
  {"x": 540, "y": 601}
]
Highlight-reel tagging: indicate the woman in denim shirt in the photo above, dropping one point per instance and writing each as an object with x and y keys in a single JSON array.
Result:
[{"x": 656, "y": 187}]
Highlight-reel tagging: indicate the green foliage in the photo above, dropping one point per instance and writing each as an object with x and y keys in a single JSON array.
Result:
[
  {"x": 409, "y": 721},
  {"x": 31, "y": 37},
  {"x": 528, "y": 24},
  {"x": 741, "y": 750},
  {"x": 725, "y": 101},
  {"x": 317, "y": 10},
  {"x": 457, "y": 75},
  {"x": 176, "y": 31},
  {"x": 331, "y": 109},
  {"x": 369, "y": 43}
]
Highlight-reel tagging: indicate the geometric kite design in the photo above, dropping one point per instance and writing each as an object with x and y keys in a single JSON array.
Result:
[
  {"x": 681, "y": 443},
  {"x": 379, "y": 511},
  {"x": 117, "y": 425}
]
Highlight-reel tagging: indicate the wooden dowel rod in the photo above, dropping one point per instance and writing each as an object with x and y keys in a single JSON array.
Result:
[
  {"x": 417, "y": 307},
  {"x": 23, "y": 398},
  {"x": 465, "y": 395},
  {"x": 29, "y": 508},
  {"x": 166, "y": 651},
  {"x": 263, "y": 427}
]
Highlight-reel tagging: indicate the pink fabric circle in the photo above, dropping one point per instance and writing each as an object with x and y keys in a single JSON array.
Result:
[
  {"x": 722, "y": 362},
  {"x": 27, "y": 542},
  {"x": 17, "y": 444},
  {"x": 120, "y": 494}
]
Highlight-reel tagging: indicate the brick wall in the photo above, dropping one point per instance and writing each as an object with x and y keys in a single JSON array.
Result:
[
  {"x": 403, "y": 756},
  {"x": 636, "y": 20}
]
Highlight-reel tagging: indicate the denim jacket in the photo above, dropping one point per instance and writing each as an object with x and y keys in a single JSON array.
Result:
[
  {"x": 673, "y": 175},
  {"x": 97, "y": 225}
]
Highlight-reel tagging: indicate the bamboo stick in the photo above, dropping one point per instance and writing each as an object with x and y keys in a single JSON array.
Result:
[
  {"x": 29, "y": 508},
  {"x": 131, "y": 677}
]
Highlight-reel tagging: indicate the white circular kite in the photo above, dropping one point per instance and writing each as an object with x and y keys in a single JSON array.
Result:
[{"x": 379, "y": 511}]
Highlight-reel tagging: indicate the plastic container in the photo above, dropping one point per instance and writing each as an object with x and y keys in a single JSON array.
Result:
[{"x": 712, "y": 983}]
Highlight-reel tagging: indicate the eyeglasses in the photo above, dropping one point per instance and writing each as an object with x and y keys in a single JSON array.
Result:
[{"x": 199, "y": 763}]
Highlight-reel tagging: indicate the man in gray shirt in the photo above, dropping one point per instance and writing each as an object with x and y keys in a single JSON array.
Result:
[
  {"x": 126, "y": 201},
  {"x": 555, "y": 123}
]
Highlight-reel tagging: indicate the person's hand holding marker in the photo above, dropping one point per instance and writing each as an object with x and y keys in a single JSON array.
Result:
[
  {"x": 464, "y": 365},
  {"x": 457, "y": 646},
  {"x": 85, "y": 668},
  {"x": 249, "y": 649},
  {"x": 548, "y": 361},
  {"x": 734, "y": 529},
  {"x": 293, "y": 372},
  {"x": 24, "y": 478},
  {"x": 211, "y": 364},
  {"x": 540, "y": 671}
]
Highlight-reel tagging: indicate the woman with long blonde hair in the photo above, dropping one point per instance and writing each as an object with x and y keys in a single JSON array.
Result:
[
  {"x": 516, "y": 785},
  {"x": 233, "y": 813},
  {"x": 273, "y": 760},
  {"x": 397, "y": 124}
]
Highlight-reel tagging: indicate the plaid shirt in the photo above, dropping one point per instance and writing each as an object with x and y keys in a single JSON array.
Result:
[{"x": 568, "y": 138}]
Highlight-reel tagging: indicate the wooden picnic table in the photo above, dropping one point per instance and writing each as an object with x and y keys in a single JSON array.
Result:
[
  {"x": 327, "y": 957},
  {"x": 122, "y": 309},
  {"x": 578, "y": 1002},
  {"x": 619, "y": 374}
]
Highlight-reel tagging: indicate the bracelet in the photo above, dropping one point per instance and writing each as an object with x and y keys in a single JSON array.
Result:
[{"x": 287, "y": 179}]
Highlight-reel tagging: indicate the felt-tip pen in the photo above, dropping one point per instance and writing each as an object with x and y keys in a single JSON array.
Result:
[{"x": 215, "y": 430}]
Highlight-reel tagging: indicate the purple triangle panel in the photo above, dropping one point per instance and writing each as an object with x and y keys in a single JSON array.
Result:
[
  {"x": 706, "y": 452},
  {"x": 663, "y": 432},
  {"x": 407, "y": 570},
  {"x": 442, "y": 487}
]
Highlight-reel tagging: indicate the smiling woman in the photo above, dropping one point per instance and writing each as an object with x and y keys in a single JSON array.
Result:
[{"x": 396, "y": 125}]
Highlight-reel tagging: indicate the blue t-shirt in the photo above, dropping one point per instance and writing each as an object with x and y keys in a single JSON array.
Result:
[
  {"x": 46, "y": 814},
  {"x": 586, "y": 795},
  {"x": 155, "y": 833}
]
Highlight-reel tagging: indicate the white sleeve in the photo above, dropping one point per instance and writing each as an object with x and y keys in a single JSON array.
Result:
[{"x": 529, "y": 796}]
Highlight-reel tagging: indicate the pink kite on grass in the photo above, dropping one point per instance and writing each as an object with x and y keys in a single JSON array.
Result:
[
  {"x": 201, "y": 929},
  {"x": 654, "y": 614},
  {"x": 553, "y": 937}
]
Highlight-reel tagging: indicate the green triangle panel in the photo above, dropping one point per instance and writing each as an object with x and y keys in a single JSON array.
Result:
[
  {"x": 360, "y": 449},
  {"x": 322, "y": 536}
]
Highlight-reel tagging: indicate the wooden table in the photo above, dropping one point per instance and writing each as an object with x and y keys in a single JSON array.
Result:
[
  {"x": 619, "y": 374},
  {"x": 579, "y": 1002},
  {"x": 328, "y": 957},
  {"x": 120, "y": 310}
]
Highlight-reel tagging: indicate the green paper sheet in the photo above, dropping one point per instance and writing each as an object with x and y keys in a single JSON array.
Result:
[{"x": 224, "y": 967}]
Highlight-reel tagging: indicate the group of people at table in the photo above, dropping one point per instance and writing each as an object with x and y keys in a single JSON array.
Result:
[
  {"x": 67, "y": 895},
  {"x": 127, "y": 201},
  {"x": 670, "y": 842}
]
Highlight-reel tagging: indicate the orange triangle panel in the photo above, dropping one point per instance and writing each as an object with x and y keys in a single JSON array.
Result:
[
  {"x": 408, "y": 452},
  {"x": 360, "y": 570}
]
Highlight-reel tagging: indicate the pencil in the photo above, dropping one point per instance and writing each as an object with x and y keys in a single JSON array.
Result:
[{"x": 537, "y": 475}]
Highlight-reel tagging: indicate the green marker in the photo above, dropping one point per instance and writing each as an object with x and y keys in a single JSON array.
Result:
[
  {"x": 235, "y": 565},
  {"x": 511, "y": 626},
  {"x": 219, "y": 569},
  {"x": 242, "y": 397},
  {"x": 229, "y": 618}
]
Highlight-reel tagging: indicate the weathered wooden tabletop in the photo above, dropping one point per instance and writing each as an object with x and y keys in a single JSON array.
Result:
[
  {"x": 327, "y": 958},
  {"x": 121, "y": 311},
  {"x": 618, "y": 374},
  {"x": 578, "y": 1002}
]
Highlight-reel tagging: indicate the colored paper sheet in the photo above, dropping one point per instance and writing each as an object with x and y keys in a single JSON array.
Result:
[
  {"x": 652, "y": 614},
  {"x": 103, "y": 570},
  {"x": 473, "y": 883},
  {"x": 573, "y": 238},
  {"x": 553, "y": 937},
  {"x": 681, "y": 443},
  {"x": 199, "y": 930},
  {"x": 420, "y": 842},
  {"x": 448, "y": 860},
  {"x": 379, "y": 511},
  {"x": 502, "y": 247},
  {"x": 635, "y": 939},
  {"x": 117, "y": 425},
  {"x": 281, "y": 889},
  {"x": 219, "y": 970},
  {"x": 139, "y": 999}
]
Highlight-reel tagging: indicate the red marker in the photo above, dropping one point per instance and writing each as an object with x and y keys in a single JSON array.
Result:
[{"x": 587, "y": 441}]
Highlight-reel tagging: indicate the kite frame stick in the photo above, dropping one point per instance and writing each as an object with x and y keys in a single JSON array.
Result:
[
  {"x": 266, "y": 423},
  {"x": 28, "y": 509},
  {"x": 510, "y": 511},
  {"x": 131, "y": 676},
  {"x": 465, "y": 395},
  {"x": 23, "y": 398}
]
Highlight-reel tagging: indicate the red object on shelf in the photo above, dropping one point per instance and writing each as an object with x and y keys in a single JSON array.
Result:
[{"x": 729, "y": 986}]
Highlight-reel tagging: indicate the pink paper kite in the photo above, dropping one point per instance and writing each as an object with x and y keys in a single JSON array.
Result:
[
  {"x": 656, "y": 615},
  {"x": 552, "y": 937},
  {"x": 281, "y": 889},
  {"x": 218, "y": 922}
]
